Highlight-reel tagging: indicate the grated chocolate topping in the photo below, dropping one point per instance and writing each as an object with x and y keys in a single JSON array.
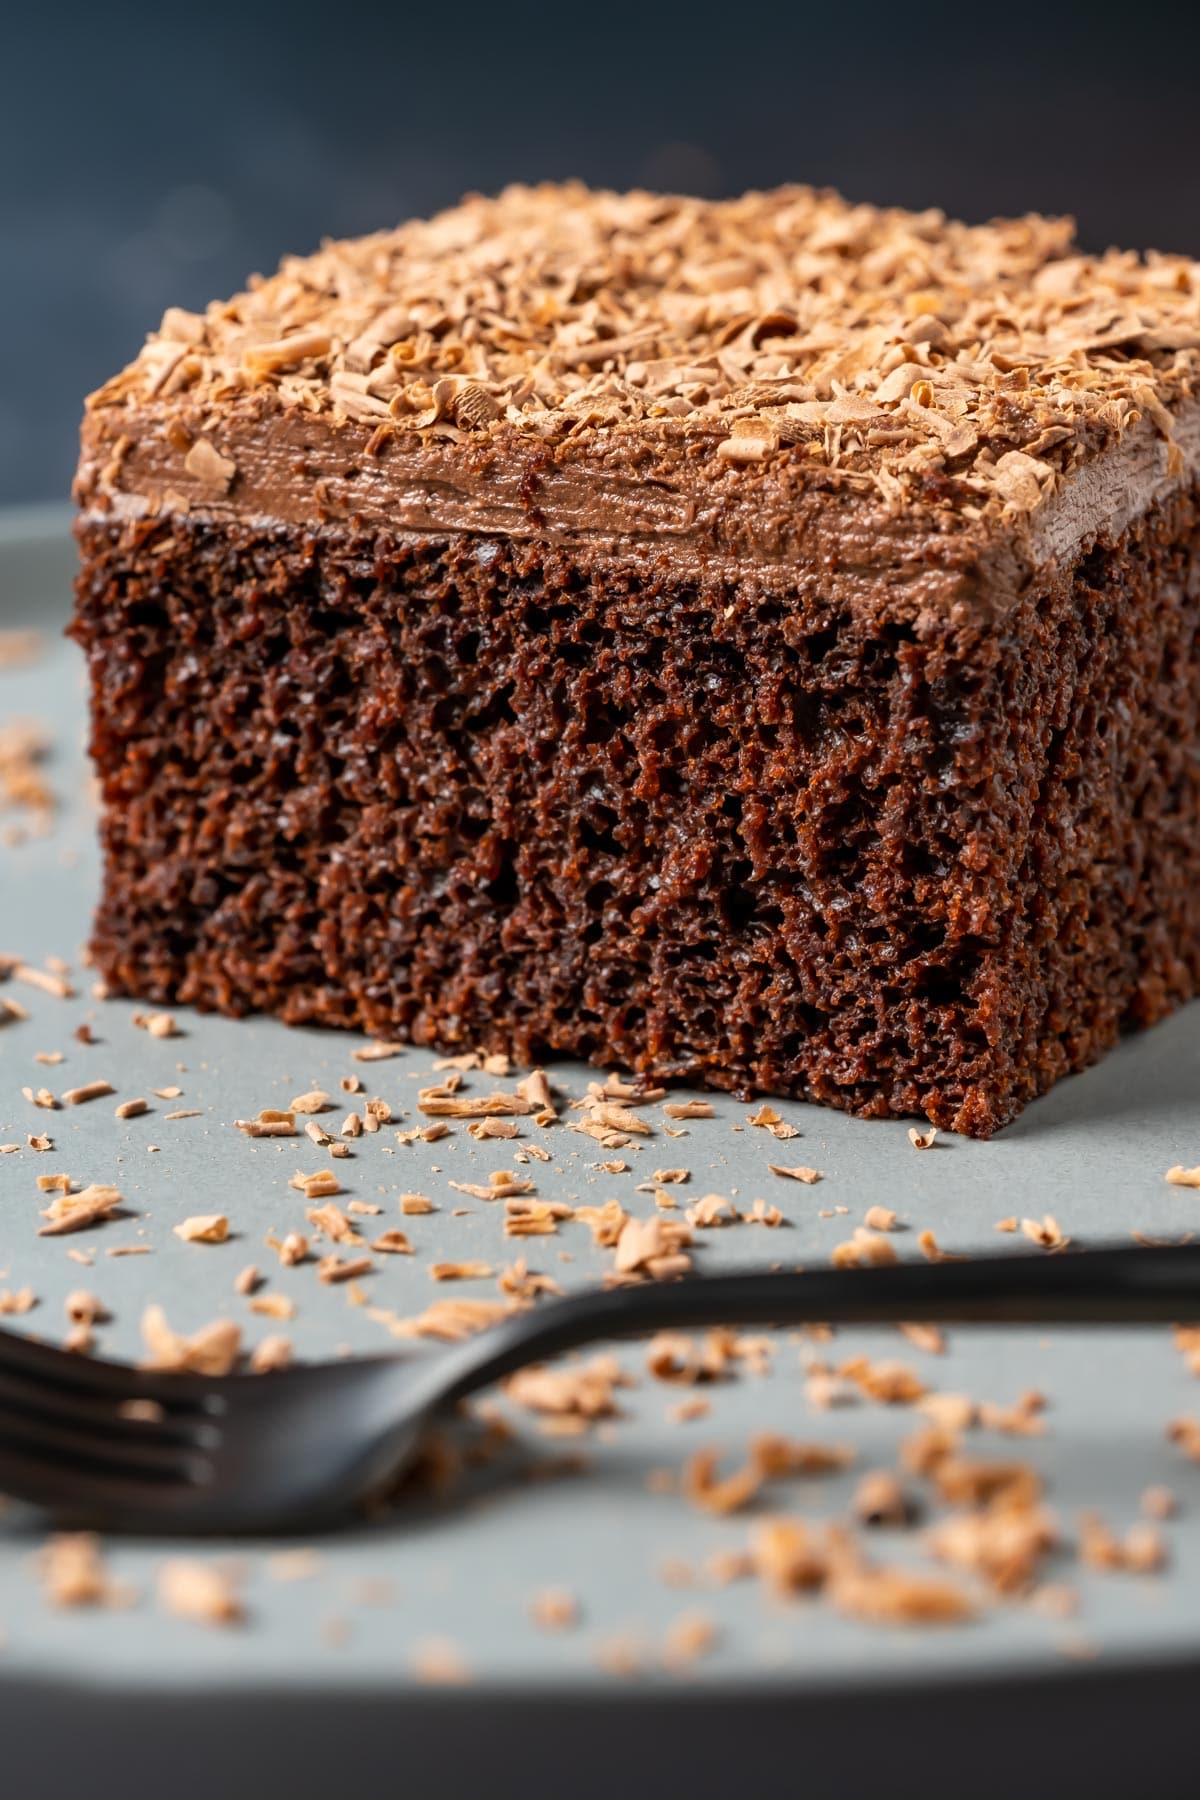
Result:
[{"x": 886, "y": 344}]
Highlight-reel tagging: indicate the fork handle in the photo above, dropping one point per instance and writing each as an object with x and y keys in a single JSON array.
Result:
[{"x": 1096, "y": 1287}]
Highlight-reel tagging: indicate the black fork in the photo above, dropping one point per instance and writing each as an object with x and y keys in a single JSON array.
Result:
[{"x": 129, "y": 1449}]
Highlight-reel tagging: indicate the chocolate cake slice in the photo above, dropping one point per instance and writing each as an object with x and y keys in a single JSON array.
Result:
[{"x": 752, "y": 641}]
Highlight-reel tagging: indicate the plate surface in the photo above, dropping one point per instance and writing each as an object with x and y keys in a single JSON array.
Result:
[{"x": 1093, "y": 1153}]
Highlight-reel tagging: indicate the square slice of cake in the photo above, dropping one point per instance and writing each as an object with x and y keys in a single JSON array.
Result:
[{"x": 752, "y": 641}]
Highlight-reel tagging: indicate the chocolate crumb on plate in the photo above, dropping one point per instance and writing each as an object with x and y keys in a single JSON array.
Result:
[
  {"x": 73, "y": 1573},
  {"x": 437, "y": 1662},
  {"x": 201, "y": 1591},
  {"x": 555, "y": 1609},
  {"x": 203, "y": 1228}
]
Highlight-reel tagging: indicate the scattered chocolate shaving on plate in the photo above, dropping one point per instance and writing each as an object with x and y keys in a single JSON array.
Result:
[
  {"x": 269, "y": 1123},
  {"x": 201, "y": 1591},
  {"x": 437, "y": 1662},
  {"x": 555, "y": 1609},
  {"x": 272, "y": 1354},
  {"x": 866, "y": 1249},
  {"x": 213, "y": 1350},
  {"x": 93, "y": 1205},
  {"x": 74, "y": 1575},
  {"x": 203, "y": 1228},
  {"x": 91, "y": 1090}
]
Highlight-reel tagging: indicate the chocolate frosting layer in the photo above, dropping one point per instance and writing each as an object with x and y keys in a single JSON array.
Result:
[
  {"x": 782, "y": 528},
  {"x": 300, "y": 470}
]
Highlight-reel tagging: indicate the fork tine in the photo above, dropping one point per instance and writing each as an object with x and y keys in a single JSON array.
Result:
[
  {"x": 95, "y": 1413},
  {"x": 92, "y": 1450},
  {"x": 69, "y": 1491},
  {"x": 91, "y": 1375}
]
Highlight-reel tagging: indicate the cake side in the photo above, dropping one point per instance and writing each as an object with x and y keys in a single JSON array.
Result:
[{"x": 477, "y": 791}]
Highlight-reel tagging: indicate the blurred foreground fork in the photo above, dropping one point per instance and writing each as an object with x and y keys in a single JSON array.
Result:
[{"x": 304, "y": 1447}]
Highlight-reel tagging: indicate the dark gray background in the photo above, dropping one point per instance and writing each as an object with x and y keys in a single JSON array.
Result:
[{"x": 152, "y": 154}]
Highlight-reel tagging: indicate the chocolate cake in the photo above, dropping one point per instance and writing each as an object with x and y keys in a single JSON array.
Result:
[{"x": 753, "y": 641}]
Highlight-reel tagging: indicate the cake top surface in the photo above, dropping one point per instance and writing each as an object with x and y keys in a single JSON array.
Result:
[
  {"x": 877, "y": 398},
  {"x": 887, "y": 344}
]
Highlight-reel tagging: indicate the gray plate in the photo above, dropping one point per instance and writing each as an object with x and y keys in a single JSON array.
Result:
[{"x": 319, "y": 1656}]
